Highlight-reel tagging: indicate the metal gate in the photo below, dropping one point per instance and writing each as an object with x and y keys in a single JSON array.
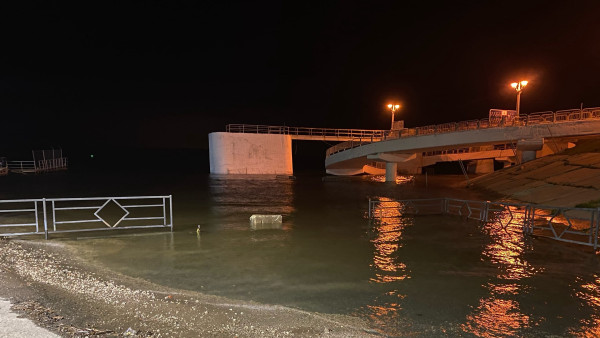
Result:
[{"x": 61, "y": 215}]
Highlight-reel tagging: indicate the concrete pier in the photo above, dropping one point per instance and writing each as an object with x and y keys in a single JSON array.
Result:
[{"x": 252, "y": 154}]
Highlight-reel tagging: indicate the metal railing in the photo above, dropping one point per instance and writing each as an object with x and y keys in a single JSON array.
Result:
[
  {"x": 39, "y": 166},
  {"x": 546, "y": 117},
  {"x": 21, "y": 166},
  {"x": 304, "y": 131},
  {"x": 21, "y": 217},
  {"x": 573, "y": 225},
  {"x": 52, "y": 164},
  {"x": 58, "y": 215}
]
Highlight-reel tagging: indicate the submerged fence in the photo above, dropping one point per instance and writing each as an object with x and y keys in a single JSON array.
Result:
[
  {"x": 572, "y": 225},
  {"x": 60, "y": 215}
]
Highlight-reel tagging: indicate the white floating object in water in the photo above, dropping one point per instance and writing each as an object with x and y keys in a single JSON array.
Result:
[
  {"x": 259, "y": 219},
  {"x": 258, "y": 222}
]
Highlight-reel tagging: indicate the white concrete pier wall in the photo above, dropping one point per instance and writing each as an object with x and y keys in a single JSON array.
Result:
[{"x": 253, "y": 154}]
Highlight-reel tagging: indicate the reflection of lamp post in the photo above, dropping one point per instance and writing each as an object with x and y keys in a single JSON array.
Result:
[
  {"x": 518, "y": 86},
  {"x": 393, "y": 108}
]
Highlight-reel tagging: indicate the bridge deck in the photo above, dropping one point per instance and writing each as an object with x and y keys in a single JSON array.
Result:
[{"x": 543, "y": 118}]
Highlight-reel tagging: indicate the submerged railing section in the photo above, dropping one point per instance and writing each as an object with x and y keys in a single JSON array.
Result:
[
  {"x": 572, "y": 225},
  {"x": 547, "y": 117},
  {"x": 62, "y": 215}
]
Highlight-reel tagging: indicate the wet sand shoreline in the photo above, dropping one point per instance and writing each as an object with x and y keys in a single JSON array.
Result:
[{"x": 47, "y": 283}]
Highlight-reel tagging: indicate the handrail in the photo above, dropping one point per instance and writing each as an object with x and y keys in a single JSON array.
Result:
[
  {"x": 38, "y": 166},
  {"x": 546, "y": 117},
  {"x": 305, "y": 131}
]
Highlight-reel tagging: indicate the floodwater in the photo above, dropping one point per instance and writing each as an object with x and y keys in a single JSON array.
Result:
[{"x": 418, "y": 275}]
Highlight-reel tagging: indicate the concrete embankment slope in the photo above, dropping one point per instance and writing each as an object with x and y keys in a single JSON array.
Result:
[{"x": 568, "y": 179}]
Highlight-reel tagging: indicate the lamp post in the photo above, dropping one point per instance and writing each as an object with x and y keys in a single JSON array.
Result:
[
  {"x": 518, "y": 86},
  {"x": 393, "y": 108}
]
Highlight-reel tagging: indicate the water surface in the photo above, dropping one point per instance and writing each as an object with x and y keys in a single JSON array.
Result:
[{"x": 424, "y": 275}]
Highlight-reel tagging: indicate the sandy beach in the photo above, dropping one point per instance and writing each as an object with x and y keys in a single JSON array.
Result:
[{"x": 48, "y": 284}]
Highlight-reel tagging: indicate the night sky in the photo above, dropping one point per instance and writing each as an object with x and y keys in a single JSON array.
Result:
[{"x": 163, "y": 75}]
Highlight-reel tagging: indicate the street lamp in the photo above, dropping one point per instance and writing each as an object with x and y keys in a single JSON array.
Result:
[
  {"x": 518, "y": 86},
  {"x": 393, "y": 108}
]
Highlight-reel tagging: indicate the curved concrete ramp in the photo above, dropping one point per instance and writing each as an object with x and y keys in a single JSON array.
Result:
[{"x": 411, "y": 152}]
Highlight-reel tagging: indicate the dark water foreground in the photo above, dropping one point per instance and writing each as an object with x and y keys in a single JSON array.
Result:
[{"x": 404, "y": 274}]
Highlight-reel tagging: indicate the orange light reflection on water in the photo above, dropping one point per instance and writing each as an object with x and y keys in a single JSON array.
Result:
[
  {"x": 386, "y": 315},
  {"x": 507, "y": 246},
  {"x": 496, "y": 317},
  {"x": 388, "y": 226},
  {"x": 399, "y": 179},
  {"x": 590, "y": 297},
  {"x": 499, "y": 314},
  {"x": 389, "y": 234}
]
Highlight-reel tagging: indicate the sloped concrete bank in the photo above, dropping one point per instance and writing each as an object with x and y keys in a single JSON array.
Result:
[{"x": 568, "y": 179}]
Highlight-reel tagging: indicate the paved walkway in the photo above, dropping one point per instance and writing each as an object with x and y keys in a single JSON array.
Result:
[{"x": 13, "y": 327}]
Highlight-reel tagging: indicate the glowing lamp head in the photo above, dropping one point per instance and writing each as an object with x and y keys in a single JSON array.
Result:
[
  {"x": 397, "y": 106},
  {"x": 519, "y": 85},
  {"x": 390, "y": 106}
]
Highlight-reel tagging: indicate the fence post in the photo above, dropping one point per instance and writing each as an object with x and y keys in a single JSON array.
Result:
[
  {"x": 530, "y": 218},
  {"x": 45, "y": 218},
  {"x": 596, "y": 228},
  {"x": 164, "y": 204},
  {"x": 445, "y": 206},
  {"x": 526, "y": 220},
  {"x": 486, "y": 208},
  {"x": 171, "y": 210}
]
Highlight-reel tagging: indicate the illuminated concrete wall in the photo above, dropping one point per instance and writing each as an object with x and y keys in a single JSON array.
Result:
[{"x": 237, "y": 153}]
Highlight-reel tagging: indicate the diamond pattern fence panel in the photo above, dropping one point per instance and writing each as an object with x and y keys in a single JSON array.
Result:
[{"x": 62, "y": 215}]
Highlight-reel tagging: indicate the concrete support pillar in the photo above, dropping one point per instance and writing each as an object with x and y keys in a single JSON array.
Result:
[
  {"x": 528, "y": 155},
  {"x": 391, "y": 168},
  {"x": 484, "y": 166},
  {"x": 529, "y": 148}
]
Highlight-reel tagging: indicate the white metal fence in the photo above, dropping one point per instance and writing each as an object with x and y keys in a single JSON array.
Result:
[
  {"x": 43, "y": 161},
  {"x": 21, "y": 217},
  {"x": 60, "y": 215},
  {"x": 21, "y": 166},
  {"x": 572, "y": 225},
  {"x": 38, "y": 166}
]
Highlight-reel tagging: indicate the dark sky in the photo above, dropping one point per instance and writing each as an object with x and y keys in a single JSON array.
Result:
[{"x": 145, "y": 74}]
